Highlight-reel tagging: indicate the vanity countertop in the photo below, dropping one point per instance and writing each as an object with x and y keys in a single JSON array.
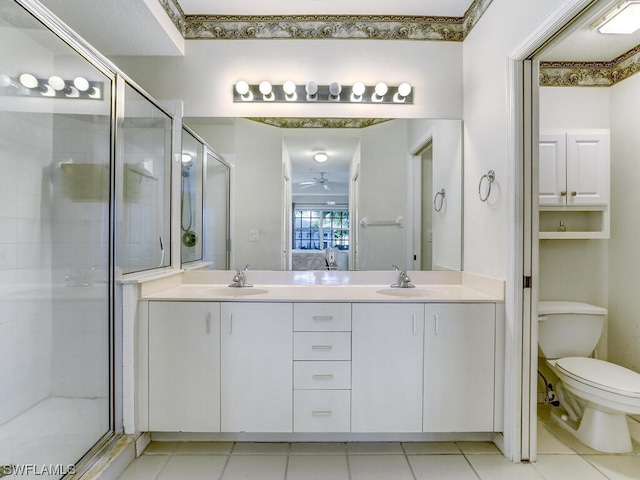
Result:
[{"x": 323, "y": 293}]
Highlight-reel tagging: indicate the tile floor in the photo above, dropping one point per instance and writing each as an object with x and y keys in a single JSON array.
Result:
[
  {"x": 561, "y": 457},
  {"x": 56, "y": 431}
]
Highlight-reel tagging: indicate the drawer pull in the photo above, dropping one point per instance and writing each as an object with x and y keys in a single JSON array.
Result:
[
  {"x": 323, "y": 376},
  {"x": 321, "y": 413},
  {"x": 322, "y": 318},
  {"x": 321, "y": 347},
  {"x": 436, "y": 326},
  {"x": 208, "y": 323}
]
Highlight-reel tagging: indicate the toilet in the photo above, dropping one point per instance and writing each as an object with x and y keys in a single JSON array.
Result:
[{"x": 595, "y": 396}]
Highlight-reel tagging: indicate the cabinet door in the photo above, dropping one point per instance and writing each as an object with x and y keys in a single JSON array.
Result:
[
  {"x": 184, "y": 366},
  {"x": 587, "y": 168},
  {"x": 257, "y": 367},
  {"x": 386, "y": 384},
  {"x": 552, "y": 169},
  {"x": 459, "y": 376}
]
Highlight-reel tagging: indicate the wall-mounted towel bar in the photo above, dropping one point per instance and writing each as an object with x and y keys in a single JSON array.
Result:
[{"x": 398, "y": 222}]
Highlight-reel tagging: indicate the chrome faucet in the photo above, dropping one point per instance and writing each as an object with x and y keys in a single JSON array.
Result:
[
  {"x": 403, "y": 281},
  {"x": 239, "y": 278}
]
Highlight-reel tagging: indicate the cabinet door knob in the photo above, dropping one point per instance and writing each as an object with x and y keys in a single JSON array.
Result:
[
  {"x": 573, "y": 194},
  {"x": 563, "y": 193}
]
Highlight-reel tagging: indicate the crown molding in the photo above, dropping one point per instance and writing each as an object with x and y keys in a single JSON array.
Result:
[
  {"x": 590, "y": 74},
  {"x": 304, "y": 122},
  {"x": 371, "y": 27}
]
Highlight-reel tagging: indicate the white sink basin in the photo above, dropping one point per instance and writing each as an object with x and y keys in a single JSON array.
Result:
[
  {"x": 409, "y": 292},
  {"x": 233, "y": 291}
]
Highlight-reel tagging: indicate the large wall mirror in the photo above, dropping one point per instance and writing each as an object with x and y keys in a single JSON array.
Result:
[{"x": 381, "y": 192}]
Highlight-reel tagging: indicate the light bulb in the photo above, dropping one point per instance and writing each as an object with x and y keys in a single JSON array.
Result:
[
  {"x": 57, "y": 83},
  {"x": 81, "y": 84},
  {"x": 265, "y": 88},
  {"x": 312, "y": 88},
  {"x": 358, "y": 89},
  {"x": 28, "y": 80},
  {"x": 335, "y": 88},
  {"x": 289, "y": 87},
  {"x": 5, "y": 80},
  {"x": 242, "y": 87},
  {"x": 186, "y": 158},
  {"x": 381, "y": 89},
  {"x": 404, "y": 89}
]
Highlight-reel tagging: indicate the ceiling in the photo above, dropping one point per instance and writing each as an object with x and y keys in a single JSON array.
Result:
[
  {"x": 340, "y": 144},
  {"x": 447, "y": 8},
  {"x": 582, "y": 43}
]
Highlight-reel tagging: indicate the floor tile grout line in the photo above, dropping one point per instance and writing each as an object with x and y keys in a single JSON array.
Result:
[
  {"x": 226, "y": 463},
  {"x": 406, "y": 457},
  {"x": 471, "y": 465}
]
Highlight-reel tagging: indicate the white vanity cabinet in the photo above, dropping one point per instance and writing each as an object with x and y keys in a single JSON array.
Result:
[
  {"x": 387, "y": 367},
  {"x": 322, "y": 367},
  {"x": 184, "y": 366},
  {"x": 256, "y": 349},
  {"x": 459, "y": 367},
  {"x": 574, "y": 184}
]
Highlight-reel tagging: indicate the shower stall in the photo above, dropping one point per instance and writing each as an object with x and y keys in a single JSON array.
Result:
[{"x": 72, "y": 128}]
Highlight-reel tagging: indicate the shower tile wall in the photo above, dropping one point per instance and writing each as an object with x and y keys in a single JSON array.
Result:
[
  {"x": 53, "y": 337},
  {"x": 25, "y": 260},
  {"x": 80, "y": 239}
]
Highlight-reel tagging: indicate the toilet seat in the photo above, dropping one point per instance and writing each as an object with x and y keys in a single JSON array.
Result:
[{"x": 602, "y": 375}]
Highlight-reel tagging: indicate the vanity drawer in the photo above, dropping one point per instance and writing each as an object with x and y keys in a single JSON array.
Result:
[
  {"x": 321, "y": 411},
  {"x": 321, "y": 375},
  {"x": 322, "y": 346},
  {"x": 322, "y": 317}
]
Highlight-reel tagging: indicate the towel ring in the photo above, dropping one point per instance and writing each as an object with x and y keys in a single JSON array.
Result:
[
  {"x": 440, "y": 194},
  {"x": 490, "y": 176}
]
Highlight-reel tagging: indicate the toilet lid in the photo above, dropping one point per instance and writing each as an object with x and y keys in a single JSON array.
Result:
[
  {"x": 600, "y": 374},
  {"x": 551, "y": 307}
]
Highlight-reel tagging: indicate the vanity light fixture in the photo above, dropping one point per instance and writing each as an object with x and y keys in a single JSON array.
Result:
[
  {"x": 379, "y": 92},
  {"x": 28, "y": 80},
  {"x": 28, "y": 85},
  {"x": 357, "y": 91},
  {"x": 312, "y": 91},
  {"x": 289, "y": 88},
  {"x": 81, "y": 83},
  {"x": 404, "y": 90},
  {"x": 242, "y": 88},
  {"x": 321, "y": 157},
  {"x": 623, "y": 19},
  {"x": 267, "y": 91},
  {"x": 335, "y": 92}
]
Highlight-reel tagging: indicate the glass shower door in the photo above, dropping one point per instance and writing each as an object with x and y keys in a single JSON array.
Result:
[{"x": 55, "y": 244}]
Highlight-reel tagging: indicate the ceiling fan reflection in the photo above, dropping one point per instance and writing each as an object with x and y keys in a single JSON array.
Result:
[{"x": 320, "y": 181}]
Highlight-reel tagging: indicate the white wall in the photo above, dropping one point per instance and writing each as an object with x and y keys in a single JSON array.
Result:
[
  {"x": 574, "y": 270},
  {"x": 503, "y": 26},
  {"x": 624, "y": 257},
  {"x": 205, "y": 76}
]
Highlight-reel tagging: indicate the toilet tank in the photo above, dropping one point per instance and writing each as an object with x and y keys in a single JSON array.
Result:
[{"x": 568, "y": 329}]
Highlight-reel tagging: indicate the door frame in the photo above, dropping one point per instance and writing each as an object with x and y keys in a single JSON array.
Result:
[{"x": 521, "y": 353}]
